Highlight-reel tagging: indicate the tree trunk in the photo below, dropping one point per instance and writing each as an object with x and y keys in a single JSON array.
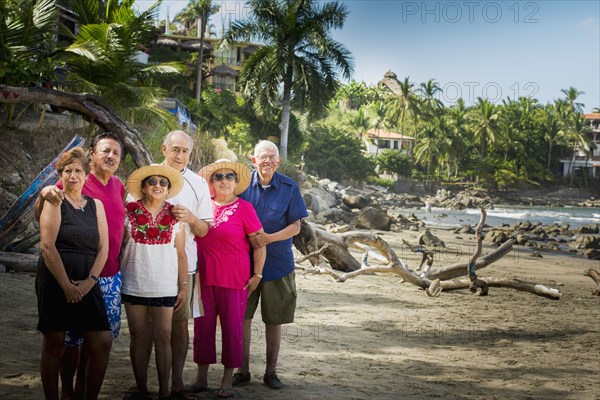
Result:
[
  {"x": 202, "y": 27},
  {"x": 595, "y": 275},
  {"x": 91, "y": 107},
  {"x": 286, "y": 112},
  {"x": 314, "y": 242},
  {"x": 20, "y": 262},
  {"x": 311, "y": 239}
]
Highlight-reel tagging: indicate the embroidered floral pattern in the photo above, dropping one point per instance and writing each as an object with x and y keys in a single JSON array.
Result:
[
  {"x": 146, "y": 230},
  {"x": 222, "y": 213}
]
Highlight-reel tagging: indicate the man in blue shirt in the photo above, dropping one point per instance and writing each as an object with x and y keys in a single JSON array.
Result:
[{"x": 279, "y": 205}]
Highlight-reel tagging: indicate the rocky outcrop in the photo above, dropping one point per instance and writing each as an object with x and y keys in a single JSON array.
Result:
[{"x": 374, "y": 218}]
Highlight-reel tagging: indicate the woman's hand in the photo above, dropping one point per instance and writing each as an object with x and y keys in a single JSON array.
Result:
[
  {"x": 73, "y": 293},
  {"x": 181, "y": 297},
  {"x": 252, "y": 284},
  {"x": 85, "y": 285}
]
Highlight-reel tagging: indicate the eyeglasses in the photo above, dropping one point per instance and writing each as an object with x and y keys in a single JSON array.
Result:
[
  {"x": 264, "y": 158},
  {"x": 230, "y": 176},
  {"x": 164, "y": 182}
]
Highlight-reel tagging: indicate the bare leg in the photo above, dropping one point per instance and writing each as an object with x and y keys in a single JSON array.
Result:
[
  {"x": 246, "y": 344},
  {"x": 202, "y": 376},
  {"x": 273, "y": 335},
  {"x": 80, "y": 377},
  {"x": 141, "y": 337},
  {"x": 50, "y": 362},
  {"x": 227, "y": 378},
  {"x": 161, "y": 331},
  {"x": 180, "y": 339},
  {"x": 97, "y": 347},
  {"x": 69, "y": 358}
]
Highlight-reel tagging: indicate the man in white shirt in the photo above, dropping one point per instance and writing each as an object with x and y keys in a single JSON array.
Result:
[{"x": 193, "y": 207}]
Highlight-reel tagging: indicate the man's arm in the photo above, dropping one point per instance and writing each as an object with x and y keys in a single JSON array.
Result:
[
  {"x": 50, "y": 193},
  {"x": 262, "y": 238}
]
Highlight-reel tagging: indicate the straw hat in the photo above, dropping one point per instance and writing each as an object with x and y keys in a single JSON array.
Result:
[
  {"x": 134, "y": 182},
  {"x": 242, "y": 172}
]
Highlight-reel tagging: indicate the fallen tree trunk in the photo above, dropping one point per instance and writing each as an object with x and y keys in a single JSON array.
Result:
[
  {"x": 91, "y": 107},
  {"x": 20, "y": 262},
  {"x": 312, "y": 240},
  {"x": 433, "y": 287},
  {"x": 595, "y": 275}
]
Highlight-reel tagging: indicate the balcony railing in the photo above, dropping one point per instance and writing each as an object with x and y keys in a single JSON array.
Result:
[
  {"x": 226, "y": 61},
  {"x": 224, "y": 86}
]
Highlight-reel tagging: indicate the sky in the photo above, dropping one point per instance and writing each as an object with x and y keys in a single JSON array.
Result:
[{"x": 492, "y": 49}]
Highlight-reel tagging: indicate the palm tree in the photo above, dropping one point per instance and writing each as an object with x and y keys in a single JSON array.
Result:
[
  {"x": 457, "y": 133},
  {"x": 552, "y": 127},
  {"x": 297, "y": 55},
  {"x": 484, "y": 119},
  {"x": 404, "y": 105},
  {"x": 571, "y": 94},
  {"x": 576, "y": 132},
  {"x": 429, "y": 90},
  {"x": 27, "y": 31},
  {"x": 198, "y": 11},
  {"x": 101, "y": 59}
]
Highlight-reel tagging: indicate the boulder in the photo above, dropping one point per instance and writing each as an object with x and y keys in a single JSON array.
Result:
[
  {"x": 586, "y": 242},
  {"x": 496, "y": 236},
  {"x": 587, "y": 229},
  {"x": 356, "y": 201},
  {"x": 374, "y": 218},
  {"x": 429, "y": 240},
  {"x": 319, "y": 199}
]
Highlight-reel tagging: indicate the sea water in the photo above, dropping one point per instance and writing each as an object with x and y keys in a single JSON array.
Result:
[{"x": 447, "y": 218}]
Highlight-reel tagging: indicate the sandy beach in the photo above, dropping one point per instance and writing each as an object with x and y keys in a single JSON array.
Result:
[{"x": 373, "y": 337}]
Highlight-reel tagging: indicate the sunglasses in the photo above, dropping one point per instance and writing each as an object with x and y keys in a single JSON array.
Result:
[
  {"x": 230, "y": 176},
  {"x": 164, "y": 182}
]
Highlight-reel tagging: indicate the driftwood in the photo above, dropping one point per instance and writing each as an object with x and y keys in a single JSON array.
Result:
[
  {"x": 433, "y": 287},
  {"x": 20, "y": 262},
  {"x": 91, "y": 107},
  {"x": 595, "y": 275}
]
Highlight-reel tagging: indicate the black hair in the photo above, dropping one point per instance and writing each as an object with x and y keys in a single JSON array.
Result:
[{"x": 106, "y": 135}]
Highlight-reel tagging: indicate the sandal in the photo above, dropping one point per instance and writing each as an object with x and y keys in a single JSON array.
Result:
[
  {"x": 240, "y": 379},
  {"x": 223, "y": 393}
]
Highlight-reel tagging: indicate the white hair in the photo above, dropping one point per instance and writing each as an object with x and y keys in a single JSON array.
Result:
[
  {"x": 266, "y": 145},
  {"x": 178, "y": 132}
]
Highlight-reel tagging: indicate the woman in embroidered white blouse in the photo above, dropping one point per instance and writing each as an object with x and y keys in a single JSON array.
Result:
[{"x": 154, "y": 268}]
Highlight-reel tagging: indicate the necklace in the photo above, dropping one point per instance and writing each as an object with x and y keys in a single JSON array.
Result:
[{"x": 79, "y": 203}]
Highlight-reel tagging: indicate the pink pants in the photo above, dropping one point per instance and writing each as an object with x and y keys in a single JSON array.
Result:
[{"x": 229, "y": 305}]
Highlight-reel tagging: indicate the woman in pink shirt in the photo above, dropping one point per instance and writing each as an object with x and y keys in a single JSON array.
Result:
[{"x": 224, "y": 269}]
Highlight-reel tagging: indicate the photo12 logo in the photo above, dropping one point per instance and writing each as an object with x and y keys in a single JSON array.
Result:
[
  {"x": 492, "y": 91},
  {"x": 453, "y": 12},
  {"x": 233, "y": 10}
]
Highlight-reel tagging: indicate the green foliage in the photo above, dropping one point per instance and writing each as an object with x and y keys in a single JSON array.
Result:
[
  {"x": 27, "y": 30},
  {"x": 395, "y": 162},
  {"x": 355, "y": 95},
  {"x": 375, "y": 180},
  {"x": 298, "y": 63},
  {"x": 333, "y": 154}
]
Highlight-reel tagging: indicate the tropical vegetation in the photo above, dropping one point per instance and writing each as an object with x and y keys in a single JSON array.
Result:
[{"x": 291, "y": 89}]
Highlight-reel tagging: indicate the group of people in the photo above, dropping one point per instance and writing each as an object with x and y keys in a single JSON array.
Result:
[{"x": 179, "y": 245}]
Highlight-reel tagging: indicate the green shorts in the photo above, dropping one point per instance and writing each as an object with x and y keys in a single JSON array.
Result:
[
  {"x": 185, "y": 312},
  {"x": 278, "y": 302}
]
